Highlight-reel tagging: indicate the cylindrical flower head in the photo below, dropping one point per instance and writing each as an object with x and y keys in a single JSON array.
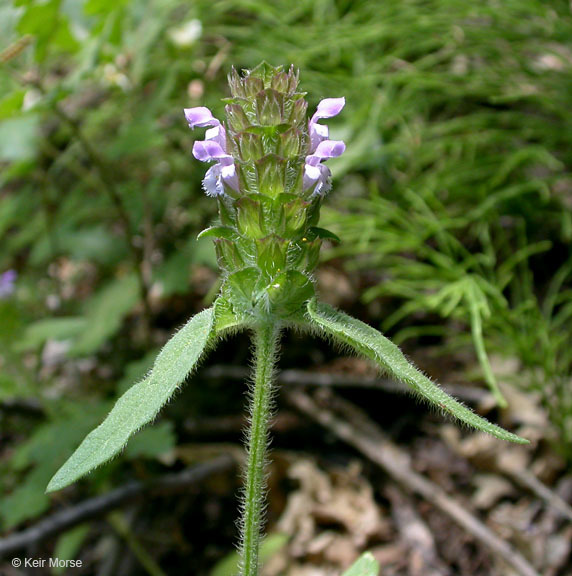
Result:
[{"x": 269, "y": 179}]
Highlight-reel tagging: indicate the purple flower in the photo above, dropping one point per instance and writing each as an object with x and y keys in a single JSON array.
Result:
[
  {"x": 7, "y": 283},
  {"x": 213, "y": 148},
  {"x": 327, "y": 108},
  {"x": 315, "y": 173}
]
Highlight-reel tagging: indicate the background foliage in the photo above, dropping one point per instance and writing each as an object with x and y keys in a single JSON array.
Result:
[{"x": 453, "y": 200}]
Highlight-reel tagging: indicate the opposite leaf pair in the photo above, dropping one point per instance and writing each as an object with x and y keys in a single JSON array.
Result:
[{"x": 180, "y": 356}]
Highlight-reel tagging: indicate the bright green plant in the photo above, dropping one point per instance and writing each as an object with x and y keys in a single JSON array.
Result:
[{"x": 269, "y": 181}]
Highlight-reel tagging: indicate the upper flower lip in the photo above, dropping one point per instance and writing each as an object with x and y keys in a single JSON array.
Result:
[
  {"x": 327, "y": 108},
  {"x": 326, "y": 149},
  {"x": 200, "y": 116},
  {"x": 209, "y": 150}
]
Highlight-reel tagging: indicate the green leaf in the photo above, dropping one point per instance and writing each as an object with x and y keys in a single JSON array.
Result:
[
  {"x": 105, "y": 314},
  {"x": 35, "y": 461},
  {"x": 294, "y": 215},
  {"x": 365, "y": 565},
  {"x": 243, "y": 289},
  {"x": 38, "y": 333},
  {"x": 289, "y": 291},
  {"x": 324, "y": 234},
  {"x": 19, "y": 138},
  {"x": 49, "y": 25},
  {"x": 219, "y": 232},
  {"x": 271, "y": 254},
  {"x": 250, "y": 218},
  {"x": 371, "y": 343},
  {"x": 26, "y": 501},
  {"x": 225, "y": 316},
  {"x": 135, "y": 371},
  {"x": 11, "y": 104},
  {"x": 93, "y": 7},
  {"x": 142, "y": 402},
  {"x": 69, "y": 545},
  {"x": 10, "y": 320},
  {"x": 39, "y": 19}
]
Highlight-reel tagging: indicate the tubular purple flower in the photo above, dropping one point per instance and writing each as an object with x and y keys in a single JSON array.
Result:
[
  {"x": 209, "y": 150},
  {"x": 327, "y": 108},
  {"x": 7, "y": 283},
  {"x": 315, "y": 173},
  {"x": 213, "y": 148},
  {"x": 201, "y": 117},
  {"x": 218, "y": 175},
  {"x": 223, "y": 172}
]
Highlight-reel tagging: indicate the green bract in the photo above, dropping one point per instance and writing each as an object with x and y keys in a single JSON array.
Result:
[{"x": 269, "y": 181}]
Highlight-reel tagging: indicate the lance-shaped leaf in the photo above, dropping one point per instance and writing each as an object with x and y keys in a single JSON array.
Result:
[
  {"x": 372, "y": 344},
  {"x": 141, "y": 403}
]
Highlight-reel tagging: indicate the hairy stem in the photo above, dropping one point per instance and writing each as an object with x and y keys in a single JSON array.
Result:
[{"x": 265, "y": 341}]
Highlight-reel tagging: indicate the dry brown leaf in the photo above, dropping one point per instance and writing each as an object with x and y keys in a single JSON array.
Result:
[
  {"x": 331, "y": 517},
  {"x": 490, "y": 488}
]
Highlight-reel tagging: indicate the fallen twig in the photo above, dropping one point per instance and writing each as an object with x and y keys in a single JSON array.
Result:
[
  {"x": 530, "y": 482},
  {"x": 416, "y": 536},
  {"x": 355, "y": 428},
  {"x": 283, "y": 421},
  {"x": 100, "y": 505},
  {"x": 329, "y": 380}
]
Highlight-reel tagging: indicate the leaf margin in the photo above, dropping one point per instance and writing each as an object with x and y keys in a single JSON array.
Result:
[
  {"x": 326, "y": 319},
  {"x": 94, "y": 449}
]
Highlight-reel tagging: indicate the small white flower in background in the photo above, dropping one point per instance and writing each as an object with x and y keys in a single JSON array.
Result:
[
  {"x": 186, "y": 34},
  {"x": 195, "y": 89},
  {"x": 31, "y": 98},
  {"x": 115, "y": 78}
]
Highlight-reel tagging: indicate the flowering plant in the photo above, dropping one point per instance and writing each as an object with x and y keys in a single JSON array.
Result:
[{"x": 269, "y": 179}]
